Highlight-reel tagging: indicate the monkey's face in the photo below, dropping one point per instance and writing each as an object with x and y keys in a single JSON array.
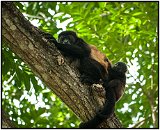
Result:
[
  {"x": 120, "y": 67},
  {"x": 67, "y": 37}
]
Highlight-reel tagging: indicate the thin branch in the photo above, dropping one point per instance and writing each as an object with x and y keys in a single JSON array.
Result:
[{"x": 138, "y": 124}]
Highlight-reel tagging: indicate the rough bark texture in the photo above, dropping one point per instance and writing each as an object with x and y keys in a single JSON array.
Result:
[
  {"x": 6, "y": 122},
  {"x": 44, "y": 59}
]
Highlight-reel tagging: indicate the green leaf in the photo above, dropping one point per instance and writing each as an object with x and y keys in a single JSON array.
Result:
[
  {"x": 42, "y": 121},
  {"x": 102, "y": 4},
  {"x": 137, "y": 13},
  {"x": 26, "y": 81}
]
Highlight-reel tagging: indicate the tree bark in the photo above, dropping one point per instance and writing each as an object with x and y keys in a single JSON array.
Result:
[
  {"x": 47, "y": 63},
  {"x": 6, "y": 122}
]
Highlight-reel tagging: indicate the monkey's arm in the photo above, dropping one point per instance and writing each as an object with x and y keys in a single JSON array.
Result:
[
  {"x": 73, "y": 50},
  {"x": 79, "y": 51}
]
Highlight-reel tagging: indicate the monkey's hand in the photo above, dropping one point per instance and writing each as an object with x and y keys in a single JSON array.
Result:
[{"x": 49, "y": 37}]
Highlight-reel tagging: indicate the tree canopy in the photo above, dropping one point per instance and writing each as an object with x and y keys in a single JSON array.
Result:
[{"x": 124, "y": 31}]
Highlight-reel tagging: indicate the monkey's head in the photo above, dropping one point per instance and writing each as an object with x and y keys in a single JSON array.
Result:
[
  {"x": 67, "y": 37},
  {"x": 120, "y": 67}
]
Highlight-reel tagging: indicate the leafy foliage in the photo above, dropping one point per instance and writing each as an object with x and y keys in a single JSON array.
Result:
[{"x": 124, "y": 31}]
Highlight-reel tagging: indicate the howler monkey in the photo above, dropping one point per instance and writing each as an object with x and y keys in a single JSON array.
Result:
[
  {"x": 114, "y": 88},
  {"x": 94, "y": 67}
]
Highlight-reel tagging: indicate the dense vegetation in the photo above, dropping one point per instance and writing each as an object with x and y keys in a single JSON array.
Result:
[{"x": 124, "y": 31}]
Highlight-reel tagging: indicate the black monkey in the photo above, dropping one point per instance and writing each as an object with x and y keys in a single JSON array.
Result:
[
  {"x": 93, "y": 67},
  {"x": 114, "y": 88},
  {"x": 92, "y": 64}
]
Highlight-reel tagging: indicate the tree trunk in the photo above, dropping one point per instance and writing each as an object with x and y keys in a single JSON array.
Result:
[
  {"x": 47, "y": 63},
  {"x": 6, "y": 122}
]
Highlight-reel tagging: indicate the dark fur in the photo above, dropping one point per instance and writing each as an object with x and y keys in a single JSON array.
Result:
[
  {"x": 94, "y": 67},
  {"x": 114, "y": 88}
]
